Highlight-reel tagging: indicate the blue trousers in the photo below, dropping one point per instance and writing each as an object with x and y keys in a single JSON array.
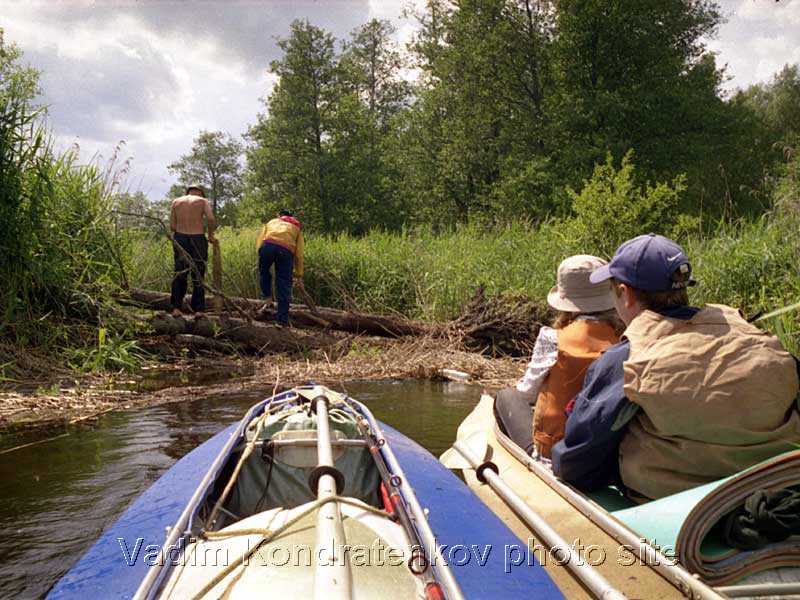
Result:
[{"x": 283, "y": 260}]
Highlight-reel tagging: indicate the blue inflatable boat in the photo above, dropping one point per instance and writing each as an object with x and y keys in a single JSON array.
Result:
[{"x": 308, "y": 496}]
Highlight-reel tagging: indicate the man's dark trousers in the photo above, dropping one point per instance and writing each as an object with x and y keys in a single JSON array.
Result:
[
  {"x": 283, "y": 259},
  {"x": 196, "y": 246}
]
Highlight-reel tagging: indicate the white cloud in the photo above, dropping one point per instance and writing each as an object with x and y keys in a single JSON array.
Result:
[
  {"x": 154, "y": 73},
  {"x": 780, "y": 13},
  {"x": 759, "y": 37},
  {"x": 400, "y": 13}
]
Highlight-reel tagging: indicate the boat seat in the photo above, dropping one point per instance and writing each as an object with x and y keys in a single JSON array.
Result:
[{"x": 303, "y": 456}]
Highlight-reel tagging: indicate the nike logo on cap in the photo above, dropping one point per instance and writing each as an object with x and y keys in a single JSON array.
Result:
[{"x": 671, "y": 258}]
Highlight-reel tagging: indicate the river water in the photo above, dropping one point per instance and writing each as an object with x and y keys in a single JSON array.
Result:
[{"x": 58, "y": 496}]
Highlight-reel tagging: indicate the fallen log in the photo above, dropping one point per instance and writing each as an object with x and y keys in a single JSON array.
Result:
[
  {"x": 351, "y": 322},
  {"x": 198, "y": 343},
  {"x": 251, "y": 337}
]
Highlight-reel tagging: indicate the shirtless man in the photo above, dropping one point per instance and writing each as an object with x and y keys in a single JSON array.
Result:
[{"x": 188, "y": 230}]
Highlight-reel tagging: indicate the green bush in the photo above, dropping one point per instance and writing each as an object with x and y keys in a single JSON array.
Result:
[
  {"x": 112, "y": 352},
  {"x": 752, "y": 265},
  {"x": 613, "y": 207},
  {"x": 57, "y": 239}
]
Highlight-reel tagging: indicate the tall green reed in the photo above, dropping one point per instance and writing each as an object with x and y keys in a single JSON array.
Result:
[{"x": 59, "y": 246}]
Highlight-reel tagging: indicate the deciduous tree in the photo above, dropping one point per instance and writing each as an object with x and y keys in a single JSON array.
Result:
[
  {"x": 213, "y": 162},
  {"x": 289, "y": 163}
]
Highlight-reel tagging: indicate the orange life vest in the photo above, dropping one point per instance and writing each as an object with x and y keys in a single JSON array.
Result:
[{"x": 579, "y": 344}]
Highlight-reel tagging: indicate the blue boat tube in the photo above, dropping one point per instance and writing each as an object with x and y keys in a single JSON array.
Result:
[{"x": 465, "y": 549}]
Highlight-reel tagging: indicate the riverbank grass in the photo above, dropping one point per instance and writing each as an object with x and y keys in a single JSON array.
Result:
[{"x": 749, "y": 265}]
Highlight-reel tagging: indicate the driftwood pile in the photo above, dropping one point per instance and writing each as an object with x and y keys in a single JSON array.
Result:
[
  {"x": 215, "y": 333},
  {"x": 491, "y": 326},
  {"x": 498, "y": 326}
]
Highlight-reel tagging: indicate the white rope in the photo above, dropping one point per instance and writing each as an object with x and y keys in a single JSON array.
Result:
[{"x": 269, "y": 535}]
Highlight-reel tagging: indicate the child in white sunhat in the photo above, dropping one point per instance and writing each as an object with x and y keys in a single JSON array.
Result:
[
  {"x": 533, "y": 412},
  {"x": 689, "y": 396}
]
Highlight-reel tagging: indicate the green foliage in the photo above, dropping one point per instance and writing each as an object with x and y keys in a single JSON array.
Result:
[
  {"x": 288, "y": 163},
  {"x": 521, "y": 99},
  {"x": 57, "y": 241},
  {"x": 59, "y": 236},
  {"x": 771, "y": 113},
  {"x": 137, "y": 211},
  {"x": 417, "y": 273},
  {"x": 416, "y": 194},
  {"x": 364, "y": 350},
  {"x": 111, "y": 353},
  {"x": 18, "y": 83},
  {"x": 750, "y": 264},
  {"x": 515, "y": 102},
  {"x": 473, "y": 144},
  {"x": 787, "y": 189},
  {"x": 214, "y": 162},
  {"x": 613, "y": 207},
  {"x": 633, "y": 75},
  {"x": 320, "y": 147},
  {"x": 777, "y": 103},
  {"x": 369, "y": 66}
]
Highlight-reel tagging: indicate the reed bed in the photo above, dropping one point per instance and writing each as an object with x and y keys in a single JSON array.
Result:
[{"x": 750, "y": 265}]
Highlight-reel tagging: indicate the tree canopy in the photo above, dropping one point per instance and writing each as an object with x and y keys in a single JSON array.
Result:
[
  {"x": 497, "y": 108},
  {"x": 214, "y": 162}
]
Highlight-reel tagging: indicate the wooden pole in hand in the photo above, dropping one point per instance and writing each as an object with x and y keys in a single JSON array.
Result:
[{"x": 311, "y": 304}]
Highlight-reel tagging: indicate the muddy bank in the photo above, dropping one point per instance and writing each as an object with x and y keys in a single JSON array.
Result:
[
  {"x": 65, "y": 403},
  {"x": 236, "y": 353}
]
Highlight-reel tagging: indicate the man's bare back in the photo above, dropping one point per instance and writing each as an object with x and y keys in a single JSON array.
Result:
[{"x": 186, "y": 216}]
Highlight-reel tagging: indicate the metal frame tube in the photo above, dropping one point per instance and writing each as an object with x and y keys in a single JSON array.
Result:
[
  {"x": 324, "y": 452},
  {"x": 398, "y": 505},
  {"x": 310, "y": 442},
  {"x": 332, "y": 577},
  {"x": 448, "y": 581},
  {"x": 689, "y": 585},
  {"x": 756, "y": 590},
  {"x": 587, "y": 574}
]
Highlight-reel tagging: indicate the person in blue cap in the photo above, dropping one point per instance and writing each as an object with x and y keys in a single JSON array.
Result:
[{"x": 688, "y": 396}]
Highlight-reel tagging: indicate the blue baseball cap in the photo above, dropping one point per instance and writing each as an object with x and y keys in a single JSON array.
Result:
[{"x": 648, "y": 263}]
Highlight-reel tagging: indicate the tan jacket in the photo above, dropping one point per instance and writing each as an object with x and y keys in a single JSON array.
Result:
[
  {"x": 579, "y": 344},
  {"x": 718, "y": 395}
]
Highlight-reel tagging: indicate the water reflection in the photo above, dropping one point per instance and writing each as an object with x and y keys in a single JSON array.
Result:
[{"x": 57, "y": 497}]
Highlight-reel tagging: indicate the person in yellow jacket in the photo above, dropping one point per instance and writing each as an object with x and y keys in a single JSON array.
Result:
[{"x": 280, "y": 243}]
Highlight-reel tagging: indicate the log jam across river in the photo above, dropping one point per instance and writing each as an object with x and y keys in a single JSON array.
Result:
[{"x": 57, "y": 497}]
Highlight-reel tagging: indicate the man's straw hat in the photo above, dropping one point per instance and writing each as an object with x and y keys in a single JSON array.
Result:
[
  {"x": 195, "y": 186},
  {"x": 574, "y": 292}
]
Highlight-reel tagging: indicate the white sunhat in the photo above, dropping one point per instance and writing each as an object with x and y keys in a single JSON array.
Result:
[{"x": 574, "y": 292}]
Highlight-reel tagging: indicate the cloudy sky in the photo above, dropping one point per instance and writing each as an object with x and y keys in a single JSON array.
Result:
[{"x": 153, "y": 73}]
